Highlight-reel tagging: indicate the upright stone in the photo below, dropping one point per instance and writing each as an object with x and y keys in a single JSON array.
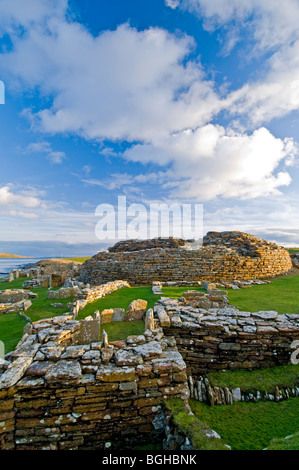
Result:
[{"x": 149, "y": 320}]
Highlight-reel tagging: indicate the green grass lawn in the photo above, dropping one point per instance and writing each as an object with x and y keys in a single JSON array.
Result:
[
  {"x": 250, "y": 426},
  {"x": 11, "y": 325},
  {"x": 78, "y": 259},
  {"x": 118, "y": 331},
  {"x": 264, "y": 380},
  {"x": 293, "y": 251},
  {"x": 281, "y": 295},
  {"x": 11, "y": 330},
  {"x": 176, "y": 292},
  {"x": 292, "y": 443},
  {"x": 120, "y": 299},
  {"x": 191, "y": 426}
]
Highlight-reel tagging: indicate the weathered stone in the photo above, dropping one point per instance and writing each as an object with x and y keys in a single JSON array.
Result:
[
  {"x": 106, "y": 316},
  {"x": 39, "y": 369},
  {"x": 118, "y": 315},
  {"x": 236, "y": 394},
  {"x": 125, "y": 386},
  {"x": 136, "y": 310},
  {"x": 14, "y": 372},
  {"x": 127, "y": 358},
  {"x": 64, "y": 371},
  {"x": 149, "y": 350},
  {"x": 107, "y": 354},
  {"x": 74, "y": 352},
  {"x": 115, "y": 374},
  {"x": 149, "y": 320},
  {"x": 269, "y": 315},
  {"x": 89, "y": 331}
]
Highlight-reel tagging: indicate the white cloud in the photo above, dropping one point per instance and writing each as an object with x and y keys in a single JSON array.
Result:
[
  {"x": 14, "y": 13},
  {"x": 142, "y": 86},
  {"x": 212, "y": 161},
  {"x": 10, "y": 198},
  {"x": 273, "y": 23},
  {"x": 270, "y": 26},
  {"x": 274, "y": 95},
  {"x": 55, "y": 157},
  {"x": 123, "y": 84},
  {"x": 172, "y": 3}
]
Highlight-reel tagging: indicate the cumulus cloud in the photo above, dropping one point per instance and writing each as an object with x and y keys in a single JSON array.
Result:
[
  {"x": 272, "y": 23},
  {"x": 142, "y": 86},
  {"x": 274, "y": 95},
  {"x": 212, "y": 161},
  {"x": 8, "y": 198},
  {"x": 15, "y": 13},
  {"x": 272, "y": 27},
  {"x": 122, "y": 84}
]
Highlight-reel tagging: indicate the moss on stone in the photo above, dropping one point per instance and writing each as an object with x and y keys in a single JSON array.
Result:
[{"x": 188, "y": 425}]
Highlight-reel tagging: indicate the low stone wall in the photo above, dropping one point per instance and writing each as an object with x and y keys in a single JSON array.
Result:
[
  {"x": 227, "y": 338},
  {"x": 245, "y": 257},
  {"x": 57, "y": 394},
  {"x": 201, "y": 390},
  {"x": 88, "y": 295}
]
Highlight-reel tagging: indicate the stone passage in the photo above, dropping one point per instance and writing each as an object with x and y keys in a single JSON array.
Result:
[{"x": 223, "y": 256}]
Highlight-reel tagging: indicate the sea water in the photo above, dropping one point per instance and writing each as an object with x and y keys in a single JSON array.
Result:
[{"x": 9, "y": 264}]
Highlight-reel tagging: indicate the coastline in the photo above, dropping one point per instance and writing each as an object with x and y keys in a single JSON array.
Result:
[{"x": 9, "y": 264}]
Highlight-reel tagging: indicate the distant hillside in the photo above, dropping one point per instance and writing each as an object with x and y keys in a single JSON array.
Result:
[{"x": 9, "y": 255}]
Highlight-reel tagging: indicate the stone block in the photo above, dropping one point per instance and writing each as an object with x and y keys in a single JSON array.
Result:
[
  {"x": 64, "y": 371},
  {"x": 118, "y": 315},
  {"x": 136, "y": 310},
  {"x": 106, "y": 316}
]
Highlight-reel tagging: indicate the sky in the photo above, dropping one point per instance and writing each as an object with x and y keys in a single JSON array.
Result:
[{"x": 161, "y": 101}]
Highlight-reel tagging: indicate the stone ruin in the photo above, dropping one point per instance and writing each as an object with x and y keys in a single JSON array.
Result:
[
  {"x": 223, "y": 256},
  {"x": 63, "y": 389}
]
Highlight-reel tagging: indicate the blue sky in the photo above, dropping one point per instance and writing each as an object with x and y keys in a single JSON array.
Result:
[{"x": 191, "y": 101}]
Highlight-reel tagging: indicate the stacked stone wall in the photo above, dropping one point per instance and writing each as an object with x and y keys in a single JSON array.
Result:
[
  {"x": 244, "y": 257},
  {"x": 228, "y": 339},
  {"x": 56, "y": 394}
]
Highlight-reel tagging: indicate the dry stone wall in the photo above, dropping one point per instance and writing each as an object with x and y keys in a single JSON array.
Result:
[
  {"x": 227, "y": 256},
  {"x": 226, "y": 338},
  {"x": 58, "y": 394}
]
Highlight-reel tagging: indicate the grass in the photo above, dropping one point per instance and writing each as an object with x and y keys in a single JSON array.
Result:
[
  {"x": 291, "y": 443},
  {"x": 78, "y": 259},
  {"x": 176, "y": 292},
  {"x": 11, "y": 330},
  {"x": 281, "y": 295},
  {"x": 250, "y": 426},
  {"x": 120, "y": 299},
  {"x": 190, "y": 426},
  {"x": 293, "y": 251},
  {"x": 118, "y": 331},
  {"x": 256, "y": 380},
  {"x": 11, "y": 325}
]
